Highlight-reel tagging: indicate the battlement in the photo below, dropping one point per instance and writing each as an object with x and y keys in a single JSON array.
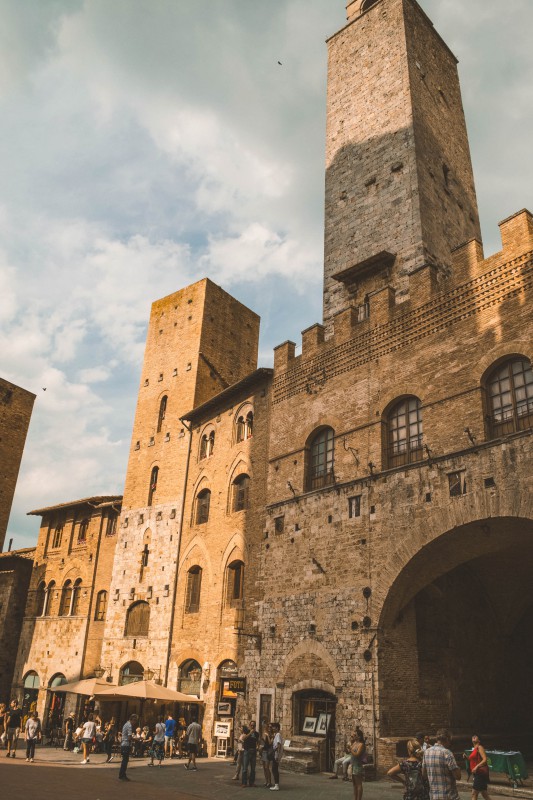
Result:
[{"x": 434, "y": 303}]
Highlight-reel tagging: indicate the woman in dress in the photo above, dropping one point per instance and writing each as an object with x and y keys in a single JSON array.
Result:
[
  {"x": 157, "y": 749},
  {"x": 479, "y": 768},
  {"x": 358, "y": 754},
  {"x": 409, "y": 772},
  {"x": 267, "y": 754}
]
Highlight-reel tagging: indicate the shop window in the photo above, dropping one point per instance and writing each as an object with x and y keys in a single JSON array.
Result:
[
  {"x": 162, "y": 413},
  {"x": 138, "y": 620},
  {"x": 404, "y": 433},
  {"x": 510, "y": 397},
  {"x": 314, "y": 714},
  {"x": 320, "y": 460},
  {"x": 101, "y": 606},
  {"x": 235, "y": 584},
  {"x": 240, "y": 490},
  {"x": 194, "y": 584},
  {"x": 203, "y": 502}
]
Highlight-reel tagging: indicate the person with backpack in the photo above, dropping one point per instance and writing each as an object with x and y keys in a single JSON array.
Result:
[{"x": 409, "y": 772}]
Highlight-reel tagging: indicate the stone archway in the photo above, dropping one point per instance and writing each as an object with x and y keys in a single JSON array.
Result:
[{"x": 455, "y": 637}]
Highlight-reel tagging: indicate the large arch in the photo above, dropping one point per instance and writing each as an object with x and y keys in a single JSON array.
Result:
[{"x": 455, "y": 633}]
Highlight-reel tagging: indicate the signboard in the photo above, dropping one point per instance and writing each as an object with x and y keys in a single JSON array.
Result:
[
  {"x": 231, "y": 687},
  {"x": 223, "y": 729}
]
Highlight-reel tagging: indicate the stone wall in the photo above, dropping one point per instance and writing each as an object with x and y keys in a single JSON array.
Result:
[{"x": 15, "y": 573}]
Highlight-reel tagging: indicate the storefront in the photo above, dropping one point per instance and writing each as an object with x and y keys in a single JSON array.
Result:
[
  {"x": 55, "y": 706},
  {"x": 313, "y": 714},
  {"x": 31, "y": 693},
  {"x": 226, "y": 701}
]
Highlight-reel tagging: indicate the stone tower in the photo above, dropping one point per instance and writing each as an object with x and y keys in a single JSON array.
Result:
[
  {"x": 399, "y": 185},
  {"x": 200, "y": 340}
]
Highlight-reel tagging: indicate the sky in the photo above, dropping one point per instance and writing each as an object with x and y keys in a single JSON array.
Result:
[{"x": 146, "y": 144}]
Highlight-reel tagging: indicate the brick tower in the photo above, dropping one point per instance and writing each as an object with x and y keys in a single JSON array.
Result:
[
  {"x": 399, "y": 185},
  {"x": 200, "y": 340}
]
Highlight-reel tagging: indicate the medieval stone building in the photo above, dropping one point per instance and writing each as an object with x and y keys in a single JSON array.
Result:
[{"x": 349, "y": 532}]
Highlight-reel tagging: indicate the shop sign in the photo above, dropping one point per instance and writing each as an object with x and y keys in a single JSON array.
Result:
[
  {"x": 231, "y": 687},
  {"x": 223, "y": 729}
]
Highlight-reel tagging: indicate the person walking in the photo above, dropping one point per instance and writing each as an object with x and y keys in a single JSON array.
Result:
[
  {"x": 88, "y": 735},
  {"x": 479, "y": 769},
  {"x": 194, "y": 736},
  {"x": 358, "y": 753},
  {"x": 157, "y": 749},
  {"x": 32, "y": 734},
  {"x": 69, "y": 730},
  {"x": 13, "y": 724},
  {"x": 277, "y": 747},
  {"x": 249, "y": 756},
  {"x": 170, "y": 727},
  {"x": 3, "y": 735},
  {"x": 239, "y": 752},
  {"x": 440, "y": 768},
  {"x": 110, "y": 732},
  {"x": 125, "y": 746},
  {"x": 267, "y": 754},
  {"x": 409, "y": 772}
]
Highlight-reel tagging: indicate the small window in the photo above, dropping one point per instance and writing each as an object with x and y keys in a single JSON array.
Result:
[
  {"x": 245, "y": 426},
  {"x": 354, "y": 506},
  {"x": 138, "y": 620},
  {"x": 49, "y": 599},
  {"x": 235, "y": 584},
  {"x": 153, "y": 485},
  {"x": 457, "y": 483},
  {"x": 111, "y": 526},
  {"x": 194, "y": 583},
  {"x": 162, "y": 412},
  {"x": 76, "y": 598},
  {"x": 57, "y": 536},
  {"x": 240, "y": 491},
  {"x": 510, "y": 397},
  {"x": 207, "y": 445},
  {"x": 368, "y": 4},
  {"x": 404, "y": 433},
  {"x": 101, "y": 606},
  {"x": 320, "y": 471},
  {"x": 279, "y": 524},
  {"x": 66, "y": 599},
  {"x": 82, "y": 531},
  {"x": 203, "y": 502}
]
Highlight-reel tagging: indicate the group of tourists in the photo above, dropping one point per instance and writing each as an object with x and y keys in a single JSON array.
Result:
[
  {"x": 160, "y": 743},
  {"x": 11, "y": 721},
  {"x": 269, "y": 745}
]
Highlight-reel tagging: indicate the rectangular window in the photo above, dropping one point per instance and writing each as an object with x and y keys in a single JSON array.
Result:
[
  {"x": 457, "y": 483},
  {"x": 111, "y": 527},
  {"x": 279, "y": 524},
  {"x": 354, "y": 506}
]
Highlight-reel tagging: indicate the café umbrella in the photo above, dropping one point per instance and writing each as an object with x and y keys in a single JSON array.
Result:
[
  {"x": 145, "y": 690},
  {"x": 88, "y": 686}
]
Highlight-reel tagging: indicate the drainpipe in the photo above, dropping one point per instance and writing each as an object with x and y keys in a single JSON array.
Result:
[{"x": 180, "y": 532}]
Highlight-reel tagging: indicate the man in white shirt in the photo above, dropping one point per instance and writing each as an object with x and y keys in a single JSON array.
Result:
[
  {"x": 194, "y": 737},
  {"x": 277, "y": 745},
  {"x": 125, "y": 745}
]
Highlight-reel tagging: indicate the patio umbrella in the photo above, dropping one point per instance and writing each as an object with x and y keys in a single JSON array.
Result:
[
  {"x": 88, "y": 686},
  {"x": 145, "y": 690}
]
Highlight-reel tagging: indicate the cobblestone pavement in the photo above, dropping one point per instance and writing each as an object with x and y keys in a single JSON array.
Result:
[{"x": 56, "y": 773}]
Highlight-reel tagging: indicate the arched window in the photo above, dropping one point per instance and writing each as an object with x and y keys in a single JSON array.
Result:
[
  {"x": 40, "y": 599},
  {"x": 76, "y": 597},
  {"x": 245, "y": 426},
  {"x": 235, "y": 584},
  {"x": 31, "y": 692},
  {"x": 404, "y": 433},
  {"x": 207, "y": 445},
  {"x": 239, "y": 494},
  {"x": 510, "y": 397},
  {"x": 49, "y": 599},
  {"x": 101, "y": 606},
  {"x": 190, "y": 677},
  {"x": 153, "y": 485},
  {"x": 368, "y": 4},
  {"x": 66, "y": 599},
  {"x": 131, "y": 673},
  {"x": 321, "y": 460},
  {"x": 162, "y": 413},
  {"x": 203, "y": 502},
  {"x": 82, "y": 531},
  {"x": 57, "y": 536},
  {"x": 138, "y": 620},
  {"x": 194, "y": 584}
]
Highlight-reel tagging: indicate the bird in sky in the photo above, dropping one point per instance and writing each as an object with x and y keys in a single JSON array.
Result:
[{"x": 279, "y": 62}]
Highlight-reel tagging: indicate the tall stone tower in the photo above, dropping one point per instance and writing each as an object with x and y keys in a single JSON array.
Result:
[
  {"x": 399, "y": 185},
  {"x": 200, "y": 341}
]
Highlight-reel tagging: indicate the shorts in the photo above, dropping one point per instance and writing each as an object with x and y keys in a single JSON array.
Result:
[
  {"x": 168, "y": 739},
  {"x": 85, "y": 740},
  {"x": 481, "y": 782},
  {"x": 192, "y": 747},
  {"x": 13, "y": 735}
]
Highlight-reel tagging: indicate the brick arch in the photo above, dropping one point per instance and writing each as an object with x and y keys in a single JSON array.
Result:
[
  {"x": 312, "y": 658},
  {"x": 521, "y": 348},
  {"x": 313, "y": 684},
  {"x": 235, "y": 544},
  {"x": 197, "y": 543},
  {"x": 400, "y": 392}
]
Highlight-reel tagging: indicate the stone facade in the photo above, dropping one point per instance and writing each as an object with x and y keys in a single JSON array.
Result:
[
  {"x": 63, "y": 626},
  {"x": 16, "y": 405},
  {"x": 15, "y": 573}
]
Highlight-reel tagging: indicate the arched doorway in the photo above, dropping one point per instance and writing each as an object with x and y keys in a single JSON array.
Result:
[
  {"x": 55, "y": 705},
  {"x": 456, "y": 620},
  {"x": 131, "y": 673},
  {"x": 31, "y": 692},
  {"x": 313, "y": 716}
]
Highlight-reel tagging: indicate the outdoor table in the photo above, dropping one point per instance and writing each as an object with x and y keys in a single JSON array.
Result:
[{"x": 511, "y": 763}]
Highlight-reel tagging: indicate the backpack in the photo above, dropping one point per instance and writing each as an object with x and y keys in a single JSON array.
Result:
[{"x": 414, "y": 781}]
